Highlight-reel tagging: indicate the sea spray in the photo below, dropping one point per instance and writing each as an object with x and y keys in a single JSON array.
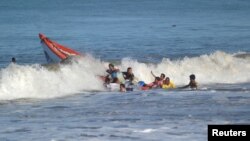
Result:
[
  {"x": 218, "y": 67},
  {"x": 36, "y": 81}
]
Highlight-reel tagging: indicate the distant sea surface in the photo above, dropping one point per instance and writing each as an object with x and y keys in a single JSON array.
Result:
[{"x": 112, "y": 30}]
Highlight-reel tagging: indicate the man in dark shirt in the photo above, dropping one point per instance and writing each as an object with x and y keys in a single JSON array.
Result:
[{"x": 129, "y": 74}]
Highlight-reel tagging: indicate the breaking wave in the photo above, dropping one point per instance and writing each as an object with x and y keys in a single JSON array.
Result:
[{"x": 37, "y": 81}]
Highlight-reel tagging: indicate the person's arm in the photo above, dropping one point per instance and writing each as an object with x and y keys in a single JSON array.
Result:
[
  {"x": 186, "y": 86},
  {"x": 108, "y": 71},
  {"x": 153, "y": 73},
  {"x": 117, "y": 70}
]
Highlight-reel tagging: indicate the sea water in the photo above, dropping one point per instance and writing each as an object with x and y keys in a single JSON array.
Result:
[{"x": 207, "y": 38}]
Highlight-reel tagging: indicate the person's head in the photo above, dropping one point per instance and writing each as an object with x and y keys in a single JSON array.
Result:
[
  {"x": 111, "y": 66},
  {"x": 129, "y": 70},
  {"x": 122, "y": 88},
  {"x": 167, "y": 80},
  {"x": 162, "y": 76},
  {"x": 13, "y": 60},
  {"x": 192, "y": 77},
  {"x": 107, "y": 80},
  {"x": 157, "y": 79}
]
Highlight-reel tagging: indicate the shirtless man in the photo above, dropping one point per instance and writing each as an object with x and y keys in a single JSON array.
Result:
[{"x": 192, "y": 84}]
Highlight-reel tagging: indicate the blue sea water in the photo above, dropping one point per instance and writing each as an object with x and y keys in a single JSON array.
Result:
[{"x": 177, "y": 37}]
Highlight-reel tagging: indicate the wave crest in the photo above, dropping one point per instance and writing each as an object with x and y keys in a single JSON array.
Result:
[{"x": 35, "y": 81}]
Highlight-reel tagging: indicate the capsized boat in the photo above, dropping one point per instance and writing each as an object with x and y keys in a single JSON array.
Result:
[{"x": 55, "y": 52}]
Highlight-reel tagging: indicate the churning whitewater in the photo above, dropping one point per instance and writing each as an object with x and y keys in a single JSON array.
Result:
[{"x": 37, "y": 81}]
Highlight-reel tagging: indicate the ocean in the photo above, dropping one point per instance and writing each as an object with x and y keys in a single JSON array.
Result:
[{"x": 207, "y": 38}]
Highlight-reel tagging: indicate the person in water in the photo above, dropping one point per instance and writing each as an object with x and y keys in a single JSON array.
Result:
[
  {"x": 107, "y": 81},
  {"x": 122, "y": 88},
  {"x": 167, "y": 84},
  {"x": 155, "y": 84},
  {"x": 13, "y": 60},
  {"x": 162, "y": 77},
  {"x": 192, "y": 84},
  {"x": 128, "y": 75},
  {"x": 112, "y": 73}
]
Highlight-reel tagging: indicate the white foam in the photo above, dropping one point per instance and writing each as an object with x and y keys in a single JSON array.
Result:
[
  {"x": 218, "y": 67},
  {"x": 149, "y": 130},
  {"x": 34, "y": 81}
]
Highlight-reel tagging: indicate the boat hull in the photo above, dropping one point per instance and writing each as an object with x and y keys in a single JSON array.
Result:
[{"x": 55, "y": 52}]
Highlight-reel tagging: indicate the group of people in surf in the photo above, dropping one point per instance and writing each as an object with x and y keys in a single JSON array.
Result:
[{"x": 127, "y": 79}]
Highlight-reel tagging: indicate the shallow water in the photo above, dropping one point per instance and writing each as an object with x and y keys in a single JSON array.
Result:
[{"x": 152, "y": 115}]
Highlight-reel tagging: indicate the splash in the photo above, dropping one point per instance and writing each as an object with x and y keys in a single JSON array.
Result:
[
  {"x": 36, "y": 81},
  {"x": 218, "y": 67}
]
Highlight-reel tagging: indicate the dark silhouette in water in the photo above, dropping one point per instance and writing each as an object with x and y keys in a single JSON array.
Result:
[
  {"x": 192, "y": 84},
  {"x": 13, "y": 60}
]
